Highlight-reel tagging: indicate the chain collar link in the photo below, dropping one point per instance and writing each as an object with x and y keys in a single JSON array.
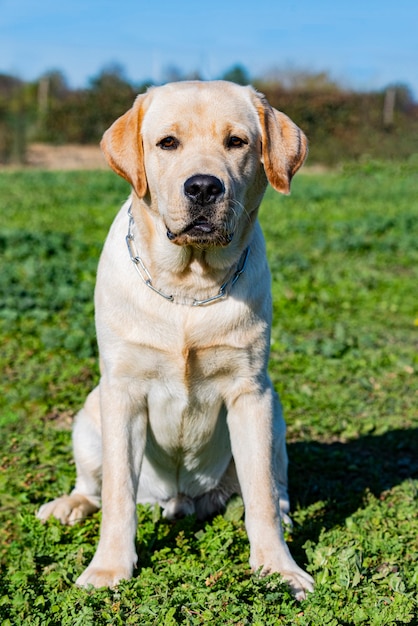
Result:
[{"x": 146, "y": 276}]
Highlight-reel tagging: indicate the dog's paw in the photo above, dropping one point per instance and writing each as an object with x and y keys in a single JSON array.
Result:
[
  {"x": 103, "y": 577},
  {"x": 67, "y": 509},
  {"x": 300, "y": 583},
  {"x": 178, "y": 507},
  {"x": 285, "y": 510}
]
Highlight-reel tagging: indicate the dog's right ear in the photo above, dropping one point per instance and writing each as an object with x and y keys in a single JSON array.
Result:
[{"x": 122, "y": 147}]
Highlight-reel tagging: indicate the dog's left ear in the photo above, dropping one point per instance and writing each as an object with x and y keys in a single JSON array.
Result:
[
  {"x": 284, "y": 145},
  {"x": 122, "y": 147}
]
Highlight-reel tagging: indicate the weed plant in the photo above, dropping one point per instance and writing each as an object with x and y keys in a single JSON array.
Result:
[{"x": 343, "y": 250}]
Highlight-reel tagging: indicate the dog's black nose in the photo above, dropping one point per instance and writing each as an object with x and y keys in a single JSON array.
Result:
[{"x": 203, "y": 188}]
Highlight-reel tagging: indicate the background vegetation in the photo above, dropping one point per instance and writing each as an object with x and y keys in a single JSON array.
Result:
[
  {"x": 341, "y": 124},
  {"x": 343, "y": 249}
]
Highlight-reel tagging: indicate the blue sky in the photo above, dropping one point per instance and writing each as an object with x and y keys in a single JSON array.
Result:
[{"x": 364, "y": 44}]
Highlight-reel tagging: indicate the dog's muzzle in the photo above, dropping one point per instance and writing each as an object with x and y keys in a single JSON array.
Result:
[{"x": 203, "y": 191}]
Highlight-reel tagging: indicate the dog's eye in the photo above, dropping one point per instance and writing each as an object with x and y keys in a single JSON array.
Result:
[
  {"x": 236, "y": 142},
  {"x": 168, "y": 143}
]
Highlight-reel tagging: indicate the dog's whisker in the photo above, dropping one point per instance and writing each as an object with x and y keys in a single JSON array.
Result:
[{"x": 239, "y": 204}]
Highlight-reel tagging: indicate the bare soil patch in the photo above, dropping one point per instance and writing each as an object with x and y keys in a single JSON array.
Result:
[{"x": 67, "y": 157}]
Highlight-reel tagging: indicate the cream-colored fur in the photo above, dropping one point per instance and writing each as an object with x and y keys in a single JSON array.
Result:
[{"x": 185, "y": 414}]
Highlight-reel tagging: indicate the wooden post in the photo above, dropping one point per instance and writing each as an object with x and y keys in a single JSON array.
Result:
[{"x": 389, "y": 107}]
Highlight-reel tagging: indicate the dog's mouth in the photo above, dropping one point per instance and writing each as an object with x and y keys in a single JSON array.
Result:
[{"x": 200, "y": 232}]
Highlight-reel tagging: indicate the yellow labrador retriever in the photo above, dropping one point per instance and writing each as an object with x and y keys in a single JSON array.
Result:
[{"x": 185, "y": 414}]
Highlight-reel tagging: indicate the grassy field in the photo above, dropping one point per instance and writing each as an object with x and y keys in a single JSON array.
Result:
[{"x": 343, "y": 250}]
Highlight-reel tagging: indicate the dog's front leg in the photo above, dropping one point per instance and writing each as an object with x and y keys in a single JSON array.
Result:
[
  {"x": 257, "y": 437},
  {"x": 123, "y": 441}
]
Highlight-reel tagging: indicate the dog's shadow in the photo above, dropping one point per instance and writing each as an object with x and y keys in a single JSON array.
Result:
[
  {"x": 337, "y": 474},
  {"x": 340, "y": 474}
]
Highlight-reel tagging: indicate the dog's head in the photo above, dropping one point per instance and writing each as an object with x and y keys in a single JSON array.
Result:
[{"x": 200, "y": 155}]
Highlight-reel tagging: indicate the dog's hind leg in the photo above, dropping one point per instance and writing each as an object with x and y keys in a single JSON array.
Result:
[
  {"x": 215, "y": 501},
  {"x": 85, "y": 497},
  {"x": 280, "y": 460}
]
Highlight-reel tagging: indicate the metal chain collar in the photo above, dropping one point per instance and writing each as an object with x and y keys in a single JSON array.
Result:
[{"x": 146, "y": 276}]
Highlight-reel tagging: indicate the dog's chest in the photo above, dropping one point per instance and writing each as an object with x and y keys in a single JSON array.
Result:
[
  {"x": 186, "y": 399},
  {"x": 199, "y": 376},
  {"x": 192, "y": 378}
]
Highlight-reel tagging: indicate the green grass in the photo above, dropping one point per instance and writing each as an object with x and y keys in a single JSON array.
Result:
[{"x": 343, "y": 249}]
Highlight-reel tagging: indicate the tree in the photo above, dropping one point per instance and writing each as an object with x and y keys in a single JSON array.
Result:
[
  {"x": 237, "y": 74},
  {"x": 109, "y": 96}
]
